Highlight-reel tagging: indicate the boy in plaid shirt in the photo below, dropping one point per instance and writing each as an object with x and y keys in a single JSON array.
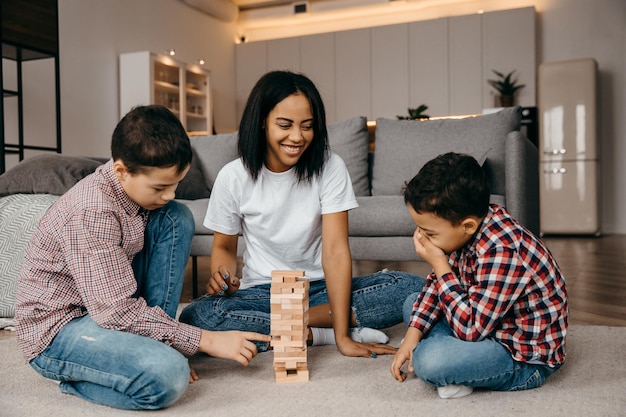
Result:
[
  {"x": 493, "y": 313},
  {"x": 103, "y": 273}
]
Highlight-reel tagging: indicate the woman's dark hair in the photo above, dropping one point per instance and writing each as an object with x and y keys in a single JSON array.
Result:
[
  {"x": 151, "y": 136},
  {"x": 271, "y": 89},
  {"x": 452, "y": 186}
]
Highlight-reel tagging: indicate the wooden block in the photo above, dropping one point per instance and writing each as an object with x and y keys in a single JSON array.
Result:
[
  {"x": 294, "y": 343},
  {"x": 292, "y": 376},
  {"x": 289, "y": 306},
  {"x": 287, "y": 296},
  {"x": 291, "y": 333},
  {"x": 286, "y": 276}
]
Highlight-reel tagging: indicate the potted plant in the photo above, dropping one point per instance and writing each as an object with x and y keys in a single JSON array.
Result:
[
  {"x": 416, "y": 113},
  {"x": 506, "y": 86}
]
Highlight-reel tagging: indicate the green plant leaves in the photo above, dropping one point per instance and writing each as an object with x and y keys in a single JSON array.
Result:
[{"x": 505, "y": 84}]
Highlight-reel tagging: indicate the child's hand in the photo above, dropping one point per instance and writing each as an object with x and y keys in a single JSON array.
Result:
[
  {"x": 405, "y": 354},
  {"x": 222, "y": 282},
  {"x": 193, "y": 376},
  {"x": 426, "y": 250},
  {"x": 234, "y": 345}
]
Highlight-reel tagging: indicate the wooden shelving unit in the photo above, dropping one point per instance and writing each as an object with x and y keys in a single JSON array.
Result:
[{"x": 149, "y": 78}]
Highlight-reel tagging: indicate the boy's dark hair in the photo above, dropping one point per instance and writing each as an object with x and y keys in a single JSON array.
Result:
[
  {"x": 271, "y": 89},
  {"x": 452, "y": 186},
  {"x": 151, "y": 136}
]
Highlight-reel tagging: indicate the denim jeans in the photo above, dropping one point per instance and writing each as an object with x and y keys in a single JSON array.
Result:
[
  {"x": 440, "y": 358},
  {"x": 117, "y": 368},
  {"x": 376, "y": 302}
]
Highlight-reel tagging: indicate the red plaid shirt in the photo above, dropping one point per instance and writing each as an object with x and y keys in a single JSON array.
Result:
[
  {"x": 78, "y": 262},
  {"x": 504, "y": 284}
]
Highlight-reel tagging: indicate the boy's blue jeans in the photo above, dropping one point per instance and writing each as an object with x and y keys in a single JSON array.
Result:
[
  {"x": 441, "y": 359},
  {"x": 376, "y": 301},
  {"x": 117, "y": 368}
]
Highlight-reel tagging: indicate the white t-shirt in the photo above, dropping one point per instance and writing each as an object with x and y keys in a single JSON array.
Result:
[{"x": 280, "y": 219}]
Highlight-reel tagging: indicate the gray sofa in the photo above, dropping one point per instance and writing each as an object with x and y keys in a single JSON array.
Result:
[
  {"x": 381, "y": 228},
  {"x": 380, "y": 160}
]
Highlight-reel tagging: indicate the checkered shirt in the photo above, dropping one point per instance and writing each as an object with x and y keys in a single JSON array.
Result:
[{"x": 505, "y": 285}]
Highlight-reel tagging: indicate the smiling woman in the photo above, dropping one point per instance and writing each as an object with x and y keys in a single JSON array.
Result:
[
  {"x": 289, "y": 196},
  {"x": 289, "y": 132}
]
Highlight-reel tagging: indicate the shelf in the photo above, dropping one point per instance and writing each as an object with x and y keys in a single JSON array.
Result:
[
  {"x": 149, "y": 78},
  {"x": 162, "y": 85},
  {"x": 197, "y": 93},
  {"x": 18, "y": 53}
]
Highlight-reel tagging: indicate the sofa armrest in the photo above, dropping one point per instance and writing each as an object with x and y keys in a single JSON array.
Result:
[{"x": 522, "y": 180}]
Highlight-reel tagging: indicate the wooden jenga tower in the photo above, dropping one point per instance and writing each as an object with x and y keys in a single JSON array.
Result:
[{"x": 289, "y": 308}]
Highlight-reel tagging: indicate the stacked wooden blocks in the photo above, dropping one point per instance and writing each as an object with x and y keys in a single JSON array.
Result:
[{"x": 289, "y": 309}]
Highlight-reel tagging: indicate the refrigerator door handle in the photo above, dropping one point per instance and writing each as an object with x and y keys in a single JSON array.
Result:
[
  {"x": 555, "y": 171},
  {"x": 555, "y": 152}
]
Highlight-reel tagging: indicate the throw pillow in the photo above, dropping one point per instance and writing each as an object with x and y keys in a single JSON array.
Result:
[
  {"x": 213, "y": 152},
  {"x": 193, "y": 186},
  {"x": 46, "y": 174},
  {"x": 19, "y": 215},
  {"x": 349, "y": 139},
  {"x": 404, "y": 146}
]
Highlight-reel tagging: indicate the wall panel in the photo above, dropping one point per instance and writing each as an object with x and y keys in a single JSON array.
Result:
[
  {"x": 390, "y": 71},
  {"x": 466, "y": 73},
  {"x": 382, "y": 71},
  {"x": 250, "y": 65},
  {"x": 284, "y": 54},
  {"x": 353, "y": 87},
  {"x": 509, "y": 44},
  {"x": 428, "y": 66},
  {"x": 317, "y": 61}
]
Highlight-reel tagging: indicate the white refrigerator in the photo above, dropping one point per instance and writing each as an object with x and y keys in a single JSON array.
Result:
[{"x": 568, "y": 147}]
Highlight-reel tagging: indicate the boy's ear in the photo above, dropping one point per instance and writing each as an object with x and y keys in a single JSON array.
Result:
[
  {"x": 470, "y": 225},
  {"x": 120, "y": 170}
]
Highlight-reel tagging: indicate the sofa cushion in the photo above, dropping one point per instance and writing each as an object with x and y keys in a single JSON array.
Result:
[
  {"x": 349, "y": 139},
  {"x": 46, "y": 174},
  {"x": 198, "y": 210},
  {"x": 404, "y": 146},
  {"x": 382, "y": 215},
  {"x": 19, "y": 215},
  {"x": 193, "y": 186},
  {"x": 213, "y": 152}
]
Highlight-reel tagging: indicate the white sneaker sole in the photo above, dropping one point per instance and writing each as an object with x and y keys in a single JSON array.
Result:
[{"x": 454, "y": 391}]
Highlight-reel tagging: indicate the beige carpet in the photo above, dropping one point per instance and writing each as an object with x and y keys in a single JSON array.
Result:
[{"x": 591, "y": 383}]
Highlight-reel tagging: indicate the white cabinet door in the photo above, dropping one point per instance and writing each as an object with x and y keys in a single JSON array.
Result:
[
  {"x": 250, "y": 65},
  {"x": 509, "y": 44},
  {"x": 317, "y": 61},
  {"x": 428, "y": 66},
  {"x": 283, "y": 54},
  {"x": 390, "y": 78},
  {"x": 466, "y": 76},
  {"x": 353, "y": 65}
]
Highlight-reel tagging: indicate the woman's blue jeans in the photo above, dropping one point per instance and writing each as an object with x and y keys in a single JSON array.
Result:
[
  {"x": 441, "y": 359},
  {"x": 376, "y": 302},
  {"x": 117, "y": 368}
]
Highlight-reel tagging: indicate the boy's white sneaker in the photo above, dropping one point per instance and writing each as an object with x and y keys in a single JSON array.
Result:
[{"x": 454, "y": 391}]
